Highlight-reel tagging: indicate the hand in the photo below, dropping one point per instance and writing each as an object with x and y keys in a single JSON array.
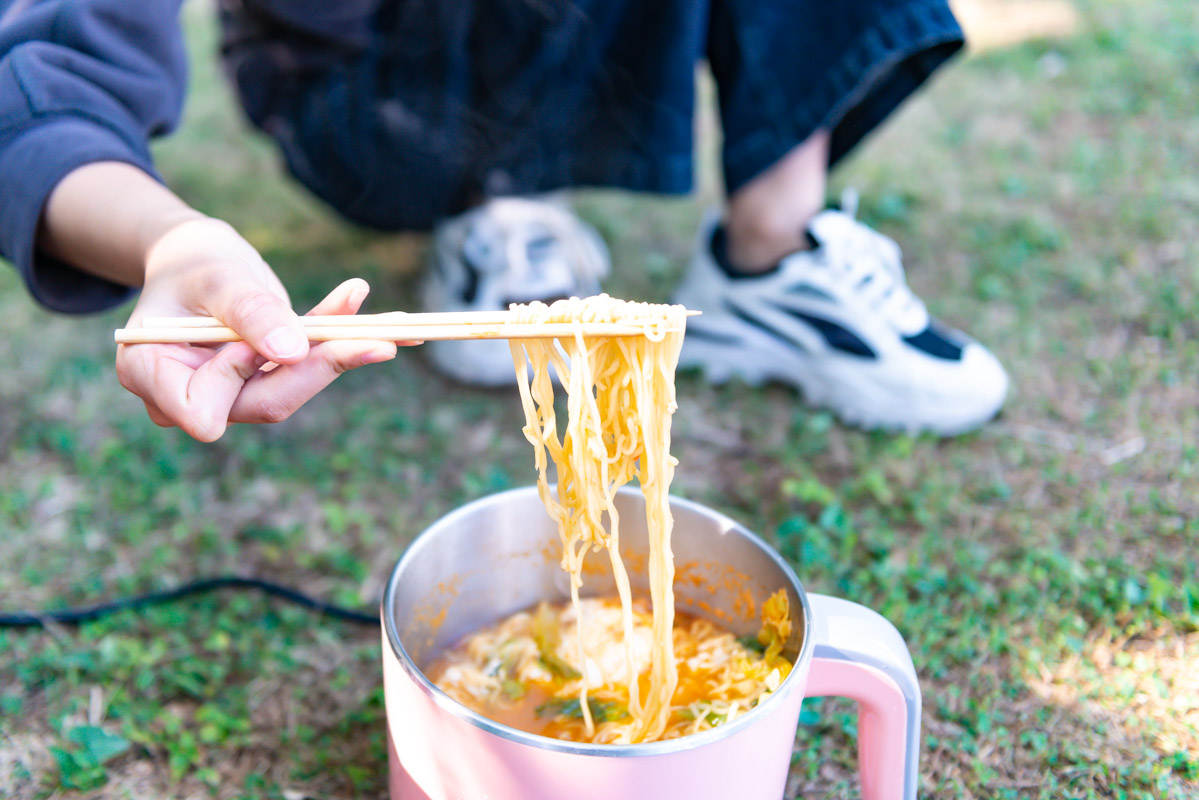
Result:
[{"x": 203, "y": 266}]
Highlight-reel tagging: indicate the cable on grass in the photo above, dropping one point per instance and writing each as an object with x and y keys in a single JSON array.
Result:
[{"x": 81, "y": 614}]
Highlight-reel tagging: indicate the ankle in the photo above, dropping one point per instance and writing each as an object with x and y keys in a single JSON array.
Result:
[
  {"x": 756, "y": 244},
  {"x": 768, "y": 216}
]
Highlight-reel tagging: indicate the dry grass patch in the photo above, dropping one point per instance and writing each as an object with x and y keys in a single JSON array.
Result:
[{"x": 1145, "y": 685}]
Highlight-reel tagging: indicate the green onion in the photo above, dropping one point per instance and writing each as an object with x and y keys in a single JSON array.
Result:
[
  {"x": 711, "y": 717},
  {"x": 750, "y": 642},
  {"x": 545, "y": 633},
  {"x": 559, "y": 666},
  {"x": 601, "y": 710}
]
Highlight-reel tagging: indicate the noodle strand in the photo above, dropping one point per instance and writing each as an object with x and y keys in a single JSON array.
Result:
[{"x": 620, "y": 398}]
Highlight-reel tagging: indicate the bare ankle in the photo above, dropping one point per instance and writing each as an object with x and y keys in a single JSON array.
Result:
[
  {"x": 768, "y": 216},
  {"x": 755, "y": 245}
]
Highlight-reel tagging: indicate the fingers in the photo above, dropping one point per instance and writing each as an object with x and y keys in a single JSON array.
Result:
[
  {"x": 197, "y": 399},
  {"x": 156, "y": 416},
  {"x": 194, "y": 357},
  {"x": 274, "y": 396},
  {"x": 202, "y": 390},
  {"x": 346, "y": 298},
  {"x": 262, "y": 318}
]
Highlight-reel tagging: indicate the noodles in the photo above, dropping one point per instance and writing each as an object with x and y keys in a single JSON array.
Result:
[
  {"x": 620, "y": 397},
  {"x": 502, "y": 671},
  {"x": 609, "y": 670}
]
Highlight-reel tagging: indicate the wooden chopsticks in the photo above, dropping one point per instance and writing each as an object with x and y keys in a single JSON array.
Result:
[{"x": 396, "y": 326}]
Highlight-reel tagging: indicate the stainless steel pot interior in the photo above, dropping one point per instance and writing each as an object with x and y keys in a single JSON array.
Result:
[{"x": 500, "y": 554}]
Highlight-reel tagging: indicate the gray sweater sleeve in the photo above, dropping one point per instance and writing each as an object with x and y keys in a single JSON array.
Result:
[{"x": 80, "y": 81}]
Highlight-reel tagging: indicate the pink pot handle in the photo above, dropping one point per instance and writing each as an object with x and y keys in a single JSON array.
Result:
[{"x": 860, "y": 655}]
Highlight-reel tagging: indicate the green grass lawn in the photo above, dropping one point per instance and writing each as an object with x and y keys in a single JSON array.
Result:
[{"x": 1045, "y": 571}]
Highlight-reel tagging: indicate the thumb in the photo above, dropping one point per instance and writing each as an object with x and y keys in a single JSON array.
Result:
[{"x": 263, "y": 319}]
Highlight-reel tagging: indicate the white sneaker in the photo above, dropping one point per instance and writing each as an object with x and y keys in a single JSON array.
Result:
[
  {"x": 509, "y": 250},
  {"x": 839, "y": 322}
]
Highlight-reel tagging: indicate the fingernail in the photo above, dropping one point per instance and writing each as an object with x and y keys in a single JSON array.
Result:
[
  {"x": 358, "y": 296},
  {"x": 377, "y": 356},
  {"x": 285, "y": 343}
]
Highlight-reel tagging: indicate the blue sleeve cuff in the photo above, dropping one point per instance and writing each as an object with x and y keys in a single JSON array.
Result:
[{"x": 31, "y": 165}]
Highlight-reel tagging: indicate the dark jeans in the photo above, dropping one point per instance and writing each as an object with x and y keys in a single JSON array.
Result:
[{"x": 400, "y": 113}]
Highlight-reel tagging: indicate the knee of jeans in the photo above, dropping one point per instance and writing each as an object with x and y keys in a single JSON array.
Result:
[
  {"x": 398, "y": 200},
  {"x": 384, "y": 189}
]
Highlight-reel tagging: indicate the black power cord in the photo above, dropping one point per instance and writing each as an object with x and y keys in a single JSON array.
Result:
[{"x": 75, "y": 616}]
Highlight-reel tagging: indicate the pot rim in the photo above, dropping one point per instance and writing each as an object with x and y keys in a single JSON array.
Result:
[{"x": 663, "y": 747}]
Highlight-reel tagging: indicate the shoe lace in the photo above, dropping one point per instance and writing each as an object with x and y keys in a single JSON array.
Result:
[
  {"x": 872, "y": 266},
  {"x": 526, "y": 223}
]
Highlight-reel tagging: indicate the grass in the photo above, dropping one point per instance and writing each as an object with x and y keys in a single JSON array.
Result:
[{"x": 1045, "y": 571}]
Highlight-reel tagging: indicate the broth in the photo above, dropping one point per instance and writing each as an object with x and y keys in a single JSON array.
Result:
[{"x": 524, "y": 672}]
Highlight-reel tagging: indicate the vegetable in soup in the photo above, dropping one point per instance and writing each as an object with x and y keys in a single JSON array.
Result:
[{"x": 524, "y": 671}]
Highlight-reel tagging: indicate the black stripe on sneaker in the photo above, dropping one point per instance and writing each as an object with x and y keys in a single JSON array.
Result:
[
  {"x": 769, "y": 330},
  {"x": 470, "y": 289},
  {"x": 838, "y": 338},
  {"x": 696, "y": 332},
  {"x": 808, "y": 290},
  {"x": 934, "y": 341}
]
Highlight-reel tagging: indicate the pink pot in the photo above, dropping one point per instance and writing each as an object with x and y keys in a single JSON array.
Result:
[{"x": 499, "y": 554}]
